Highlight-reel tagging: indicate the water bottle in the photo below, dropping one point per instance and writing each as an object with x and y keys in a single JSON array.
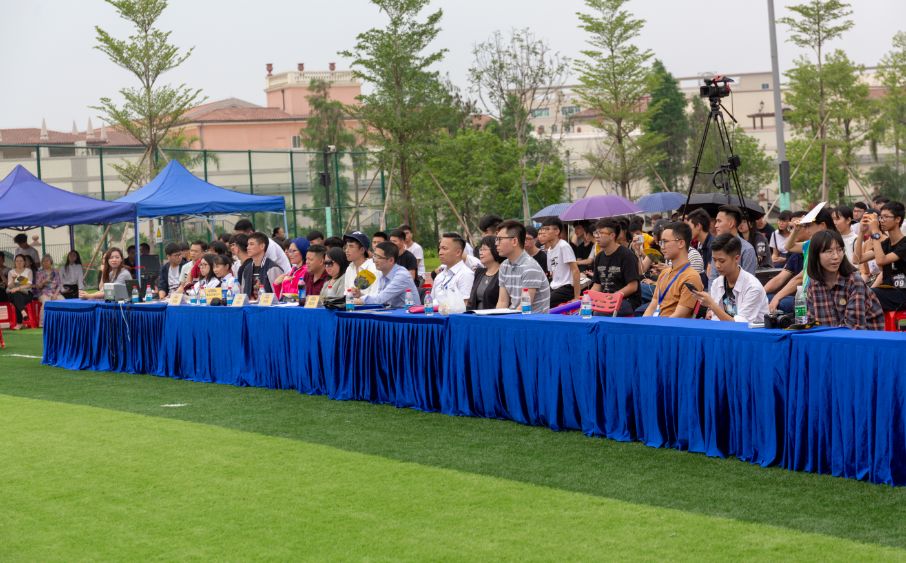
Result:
[
  {"x": 135, "y": 295},
  {"x": 407, "y": 300},
  {"x": 429, "y": 304},
  {"x": 801, "y": 307},
  {"x": 230, "y": 295},
  {"x": 193, "y": 297},
  {"x": 526, "y": 301},
  {"x": 301, "y": 288},
  {"x": 204, "y": 297},
  {"x": 149, "y": 297},
  {"x": 585, "y": 309},
  {"x": 350, "y": 303}
]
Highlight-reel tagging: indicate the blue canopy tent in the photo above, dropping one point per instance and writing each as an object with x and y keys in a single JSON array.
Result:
[
  {"x": 27, "y": 202},
  {"x": 176, "y": 191}
]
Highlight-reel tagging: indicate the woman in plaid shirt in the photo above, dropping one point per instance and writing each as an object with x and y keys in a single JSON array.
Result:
[{"x": 837, "y": 296}]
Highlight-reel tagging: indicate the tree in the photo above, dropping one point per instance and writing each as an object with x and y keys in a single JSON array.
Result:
[
  {"x": 513, "y": 77},
  {"x": 818, "y": 22},
  {"x": 326, "y": 126},
  {"x": 888, "y": 181},
  {"x": 408, "y": 102},
  {"x": 806, "y": 177},
  {"x": 667, "y": 120},
  {"x": 150, "y": 111},
  {"x": 892, "y": 122},
  {"x": 613, "y": 80}
]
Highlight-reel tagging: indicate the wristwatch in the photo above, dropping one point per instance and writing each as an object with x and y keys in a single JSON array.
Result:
[{"x": 876, "y": 236}]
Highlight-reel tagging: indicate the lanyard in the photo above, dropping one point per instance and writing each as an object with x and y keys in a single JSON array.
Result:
[{"x": 661, "y": 295}]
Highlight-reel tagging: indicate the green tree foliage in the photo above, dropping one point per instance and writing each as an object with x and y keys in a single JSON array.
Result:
[
  {"x": 150, "y": 111},
  {"x": 667, "y": 120},
  {"x": 613, "y": 78},
  {"x": 816, "y": 23},
  {"x": 407, "y": 102},
  {"x": 756, "y": 168},
  {"x": 891, "y": 129},
  {"x": 888, "y": 181},
  {"x": 805, "y": 180},
  {"x": 513, "y": 77}
]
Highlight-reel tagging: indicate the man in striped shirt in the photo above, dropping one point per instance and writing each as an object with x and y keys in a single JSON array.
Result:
[{"x": 519, "y": 271}]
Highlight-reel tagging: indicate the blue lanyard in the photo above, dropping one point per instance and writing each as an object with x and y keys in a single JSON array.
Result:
[{"x": 660, "y": 297}]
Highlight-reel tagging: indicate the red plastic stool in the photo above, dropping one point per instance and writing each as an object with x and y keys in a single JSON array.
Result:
[
  {"x": 7, "y": 316},
  {"x": 895, "y": 321},
  {"x": 2, "y": 342},
  {"x": 33, "y": 310}
]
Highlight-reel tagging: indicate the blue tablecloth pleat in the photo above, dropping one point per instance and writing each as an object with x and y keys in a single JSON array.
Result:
[
  {"x": 206, "y": 344},
  {"x": 539, "y": 370},
  {"x": 846, "y": 413},
  {"x": 389, "y": 357},
  {"x": 291, "y": 348},
  {"x": 69, "y": 334},
  {"x": 129, "y": 337}
]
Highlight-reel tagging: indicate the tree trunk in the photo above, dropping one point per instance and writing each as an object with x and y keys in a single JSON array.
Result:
[{"x": 526, "y": 214}]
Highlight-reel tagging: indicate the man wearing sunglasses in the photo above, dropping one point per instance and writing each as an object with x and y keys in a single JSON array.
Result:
[{"x": 889, "y": 254}]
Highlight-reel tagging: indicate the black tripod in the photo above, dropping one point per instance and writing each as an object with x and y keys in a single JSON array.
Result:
[{"x": 726, "y": 173}]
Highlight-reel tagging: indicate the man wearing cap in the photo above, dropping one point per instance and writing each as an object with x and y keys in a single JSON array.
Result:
[{"x": 356, "y": 245}]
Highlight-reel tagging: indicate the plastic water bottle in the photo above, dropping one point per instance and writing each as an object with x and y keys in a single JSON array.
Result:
[
  {"x": 204, "y": 298},
  {"x": 585, "y": 308},
  {"x": 526, "y": 301},
  {"x": 801, "y": 307},
  {"x": 192, "y": 297},
  {"x": 230, "y": 295},
  {"x": 407, "y": 300},
  {"x": 350, "y": 303},
  {"x": 135, "y": 295},
  {"x": 301, "y": 289},
  {"x": 149, "y": 297},
  {"x": 429, "y": 304}
]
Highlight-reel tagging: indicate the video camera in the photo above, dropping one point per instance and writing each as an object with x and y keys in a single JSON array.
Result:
[{"x": 716, "y": 87}]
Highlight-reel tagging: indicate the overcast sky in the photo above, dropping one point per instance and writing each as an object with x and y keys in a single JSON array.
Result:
[{"x": 50, "y": 69}]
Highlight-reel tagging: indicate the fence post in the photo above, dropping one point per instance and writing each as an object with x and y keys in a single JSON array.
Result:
[
  {"x": 38, "y": 159},
  {"x": 204, "y": 156},
  {"x": 292, "y": 188},
  {"x": 336, "y": 181}
]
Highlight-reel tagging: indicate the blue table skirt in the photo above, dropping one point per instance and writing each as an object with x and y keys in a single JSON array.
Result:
[
  {"x": 389, "y": 357},
  {"x": 206, "y": 344},
  {"x": 128, "y": 337},
  {"x": 714, "y": 388},
  {"x": 538, "y": 370},
  {"x": 290, "y": 348},
  {"x": 69, "y": 334},
  {"x": 846, "y": 406}
]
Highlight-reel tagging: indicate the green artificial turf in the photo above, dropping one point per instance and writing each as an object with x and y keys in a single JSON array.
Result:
[{"x": 242, "y": 473}]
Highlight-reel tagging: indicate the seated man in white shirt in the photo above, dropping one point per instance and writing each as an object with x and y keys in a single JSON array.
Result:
[
  {"x": 274, "y": 250},
  {"x": 392, "y": 286},
  {"x": 735, "y": 295},
  {"x": 454, "y": 278},
  {"x": 356, "y": 248}
]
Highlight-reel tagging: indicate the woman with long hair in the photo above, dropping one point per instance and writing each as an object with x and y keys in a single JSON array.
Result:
[
  {"x": 206, "y": 278},
  {"x": 112, "y": 271},
  {"x": 288, "y": 282},
  {"x": 72, "y": 275},
  {"x": 19, "y": 285},
  {"x": 335, "y": 265},
  {"x": 837, "y": 295},
  {"x": 48, "y": 285}
]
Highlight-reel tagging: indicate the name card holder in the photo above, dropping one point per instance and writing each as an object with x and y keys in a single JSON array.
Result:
[
  {"x": 265, "y": 299},
  {"x": 240, "y": 300},
  {"x": 177, "y": 298},
  {"x": 312, "y": 301},
  {"x": 211, "y": 293}
]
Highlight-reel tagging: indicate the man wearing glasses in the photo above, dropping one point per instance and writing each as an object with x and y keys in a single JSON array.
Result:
[
  {"x": 672, "y": 296},
  {"x": 889, "y": 254},
  {"x": 519, "y": 271},
  {"x": 393, "y": 283}
]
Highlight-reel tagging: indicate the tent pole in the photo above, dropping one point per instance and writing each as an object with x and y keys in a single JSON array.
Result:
[
  {"x": 71, "y": 239},
  {"x": 285, "y": 224},
  {"x": 138, "y": 254}
]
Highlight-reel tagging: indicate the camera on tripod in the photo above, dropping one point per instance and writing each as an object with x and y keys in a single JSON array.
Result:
[{"x": 716, "y": 87}]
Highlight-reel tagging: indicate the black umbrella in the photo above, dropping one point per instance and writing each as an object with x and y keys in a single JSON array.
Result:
[{"x": 712, "y": 202}]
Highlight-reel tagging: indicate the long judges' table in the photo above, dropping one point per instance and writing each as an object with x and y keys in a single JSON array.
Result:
[{"x": 825, "y": 401}]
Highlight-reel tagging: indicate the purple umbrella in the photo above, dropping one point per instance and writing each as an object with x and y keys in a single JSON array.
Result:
[{"x": 598, "y": 206}]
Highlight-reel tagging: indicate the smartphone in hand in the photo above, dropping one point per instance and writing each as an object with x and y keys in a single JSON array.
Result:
[{"x": 691, "y": 287}]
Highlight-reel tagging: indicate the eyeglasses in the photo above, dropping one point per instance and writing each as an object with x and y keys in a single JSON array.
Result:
[
  {"x": 833, "y": 251},
  {"x": 663, "y": 240},
  {"x": 329, "y": 262},
  {"x": 498, "y": 239},
  {"x": 886, "y": 217},
  {"x": 379, "y": 257}
]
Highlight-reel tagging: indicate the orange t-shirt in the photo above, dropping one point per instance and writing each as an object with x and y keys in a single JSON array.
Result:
[{"x": 678, "y": 293}]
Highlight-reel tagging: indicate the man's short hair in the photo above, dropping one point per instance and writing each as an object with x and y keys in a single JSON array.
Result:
[
  {"x": 20, "y": 238},
  {"x": 700, "y": 218},
  {"x": 513, "y": 229},
  {"x": 313, "y": 235},
  {"x": 796, "y": 214},
  {"x": 242, "y": 241},
  {"x": 896, "y": 208},
  {"x": 531, "y": 231},
  {"x": 218, "y": 247},
  {"x": 398, "y": 233},
  {"x": 785, "y": 215},
  {"x": 455, "y": 237},
  {"x": 553, "y": 222},
  {"x": 624, "y": 223},
  {"x": 261, "y": 238},
  {"x": 334, "y": 242},
  {"x": 844, "y": 211},
  {"x": 318, "y": 249},
  {"x": 244, "y": 225},
  {"x": 726, "y": 243},
  {"x": 380, "y": 234},
  {"x": 171, "y": 248},
  {"x": 636, "y": 224},
  {"x": 733, "y": 212},
  {"x": 406, "y": 228},
  {"x": 201, "y": 243},
  {"x": 183, "y": 246},
  {"x": 680, "y": 230},
  {"x": 609, "y": 223},
  {"x": 860, "y": 205},
  {"x": 145, "y": 246},
  {"x": 390, "y": 250},
  {"x": 880, "y": 200},
  {"x": 489, "y": 222}
]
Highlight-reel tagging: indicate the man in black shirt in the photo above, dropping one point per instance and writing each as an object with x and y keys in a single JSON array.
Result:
[
  {"x": 406, "y": 259},
  {"x": 616, "y": 268},
  {"x": 531, "y": 248},
  {"x": 890, "y": 254}
]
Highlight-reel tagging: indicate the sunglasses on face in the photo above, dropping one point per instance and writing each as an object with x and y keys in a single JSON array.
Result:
[{"x": 329, "y": 262}]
